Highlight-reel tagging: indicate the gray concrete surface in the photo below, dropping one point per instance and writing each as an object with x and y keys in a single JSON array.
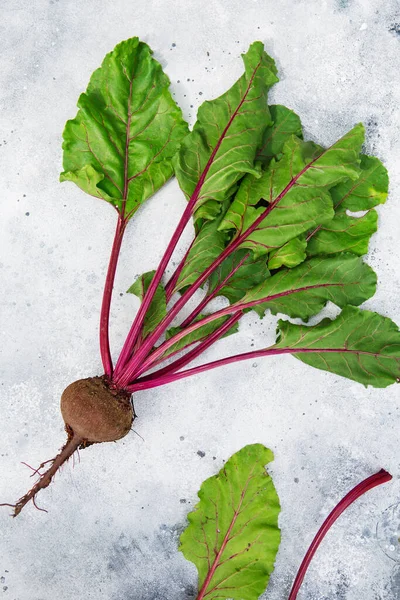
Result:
[{"x": 114, "y": 519}]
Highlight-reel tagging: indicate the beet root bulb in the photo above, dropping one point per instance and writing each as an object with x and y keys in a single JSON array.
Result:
[{"x": 93, "y": 413}]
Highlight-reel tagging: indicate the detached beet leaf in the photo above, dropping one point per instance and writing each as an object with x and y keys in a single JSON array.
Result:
[
  {"x": 233, "y": 533},
  {"x": 233, "y": 540},
  {"x": 276, "y": 230}
]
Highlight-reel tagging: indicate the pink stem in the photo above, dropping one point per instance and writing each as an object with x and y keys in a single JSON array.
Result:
[
  {"x": 202, "y": 347},
  {"x": 107, "y": 295},
  {"x": 148, "y": 297},
  {"x": 190, "y": 208},
  {"x": 199, "y": 308},
  {"x": 139, "y": 384},
  {"x": 170, "y": 287},
  {"x": 217, "y": 315},
  {"x": 128, "y": 372},
  {"x": 374, "y": 480},
  {"x": 213, "y": 294}
]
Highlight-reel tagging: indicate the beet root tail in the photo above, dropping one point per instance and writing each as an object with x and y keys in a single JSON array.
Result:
[{"x": 73, "y": 443}]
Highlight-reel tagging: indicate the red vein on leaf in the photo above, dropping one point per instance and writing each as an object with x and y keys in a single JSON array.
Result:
[{"x": 211, "y": 572}]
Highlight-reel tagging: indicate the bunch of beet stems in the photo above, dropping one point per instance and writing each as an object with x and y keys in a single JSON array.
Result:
[{"x": 140, "y": 355}]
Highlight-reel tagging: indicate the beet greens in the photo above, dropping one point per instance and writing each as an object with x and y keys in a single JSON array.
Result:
[
  {"x": 233, "y": 535},
  {"x": 272, "y": 232}
]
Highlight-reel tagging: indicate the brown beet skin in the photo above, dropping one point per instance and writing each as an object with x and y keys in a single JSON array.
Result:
[{"x": 96, "y": 413}]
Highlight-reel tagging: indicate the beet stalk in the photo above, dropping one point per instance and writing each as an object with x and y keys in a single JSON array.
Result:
[{"x": 368, "y": 484}]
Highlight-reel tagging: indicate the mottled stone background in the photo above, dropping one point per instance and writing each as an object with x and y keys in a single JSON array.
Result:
[{"x": 114, "y": 519}]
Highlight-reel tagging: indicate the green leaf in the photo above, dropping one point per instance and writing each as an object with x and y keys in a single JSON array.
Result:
[
  {"x": 120, "y": 145},
  {"x": 303, "y": 291},
  {"x": 225, "y": 138},
  {"x": 251, "y": 190},
  {"x": 285, "y": 124},
  {"x": 207, "y": 246},
  {"x": 289, "y": 255},
  {"x": 369, "y": 190},
  {"x": 344, "y": 233},
  {"x": 349, "y": 232},
  {"x": 233, "y": 533},
  {"x": 358, "y": 344},
  {"x": 254, "y": 194},
  {"x": 197, "y": 335},
  {"x": 158, "y": 307},
  {"x": 296, "y": 188},
  {"x": 236, "y": 275}
]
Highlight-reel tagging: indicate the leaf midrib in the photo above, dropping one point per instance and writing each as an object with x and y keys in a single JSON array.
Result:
[
  {"x": 210, "y": 161},
  {"x": 126, "y": 164},
  {"x": 203, "y": 591}
]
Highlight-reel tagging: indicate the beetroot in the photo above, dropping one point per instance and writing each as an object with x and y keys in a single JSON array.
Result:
[
  {"x": 271, "y": 233},
  {"x": 93, "y": 412}
]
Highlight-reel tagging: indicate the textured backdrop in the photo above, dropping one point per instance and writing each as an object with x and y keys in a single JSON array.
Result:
[{"x": 114, "y": 519}]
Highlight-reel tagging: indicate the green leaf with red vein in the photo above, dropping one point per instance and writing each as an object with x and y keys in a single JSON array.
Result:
[
  {"x": 352, "y": 232},
  {"x": 158, "y": 307},
  {"x": 226, "y": 136},
  {"x": 239, "y": 272},
  {"x": 207, "y": 246},
  {"x": 289, "y": 255},
  {"x": 285, "y": 124},
  {"x": 233, "y": 533},
  {"x": 120, "y": 145},
  {"x": 303, "y": 291},
  {"x": 296, "y": 188},
  {"x": 369, "y": 190},
  {"x": 343, "y": 233},
  {"x": 358, "y": 344},
  {"x": 296, "y": 156}
]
